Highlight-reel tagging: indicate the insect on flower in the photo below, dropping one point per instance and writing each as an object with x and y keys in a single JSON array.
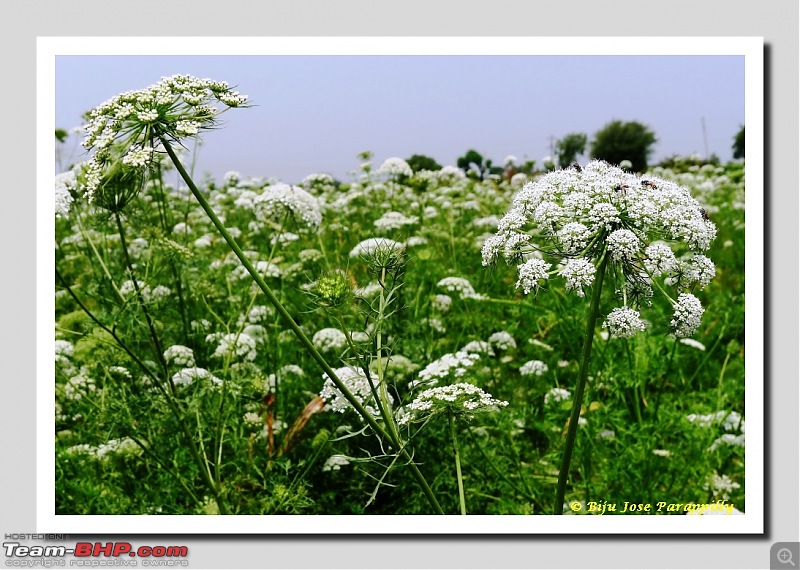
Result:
[
  {"x": 704, "y": 214},
  {"x": 650, "y": 183}
]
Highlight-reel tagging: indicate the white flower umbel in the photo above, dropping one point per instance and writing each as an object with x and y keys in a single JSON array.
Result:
[
  {"x": 187, "y": 376},
  {"x": 649, "y": 228},
  {"x": 238, "y": 346},
  {"x": 65, "y": 182},
  {"x": 532, "y": 274},
  {"x": 126, "y": 130},
  {"x": 557, "y": 395},
  {"x": 280, "y": 202},
  {"x": 533, "y": 368},
  {"x": 460, "y": 399},
  {"x": 459, "y": 285},
  {"x": 623, "y": 322},
  {"x": 395, "y": 167},
  {"x": 448, "y": 366},
  {"x": 687, "y": 315},
  {"x": 369, "y": 247},
  {"x": 643, "y": 233},
  {"x": 356, "y": 381},
  {"x": 329, "y": 339},
  {"x": 179, "y": 355},
  {"x": 394, "y": 221},
  {"x": 579, "y": 273},
  {"x": 502, "y": 341}
]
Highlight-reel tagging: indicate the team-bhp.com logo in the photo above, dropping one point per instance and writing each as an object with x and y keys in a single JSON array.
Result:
[{"x": 89, "y": 553}]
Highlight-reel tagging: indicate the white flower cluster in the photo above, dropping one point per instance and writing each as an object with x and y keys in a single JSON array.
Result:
[
  {"x": 149, "y": 294},
  {"x": 335, "y": 462},
  {"x": 459, "y": 285},
  {"x": 623, "y": 322},
  {"x": 329, "y": 339},
  {"x": 279, "y": 201},
  {"x": 441, "y": 303},
  {"x": 371, "y": 246},
  {"x": 478, "y": 347},
  {"x": 241, "y": 346},
  {"x": 532, "y": 274},
  {"x": 394, "y": 221},
  {"x": 461, "y": 398},
  {"x": 397, "y": 367},
  {"x": 179, "y": 355},
  {"x": 451, "y": 173},
  {"x": 557, "y": 395},
  {"x": 125, "y": 447},
  {"x": 533, "y": 368},
  {"x": 502, "y": 341},
  {"x": 65, "y": 182},
  {"x": 79, "y": 386},
  {"x": 448, "y": 366},
  {"x": 575, "y": 216},
  {"x": 395, "y": 167},
  {"x": 187, "y": 376},
  {"x": 357, "y": 383},
  {"x": 266, "y": 269},
  {"x": 260, "y": 314},
  {"x": 579, "y": 273},
  {"x": 730, "y": 421},
  {"x": 126, "y": 127},
  {"x": 687, "y": 315},
  {"x": 721, "y": 486},
  {"x": 63, "y": 352}
]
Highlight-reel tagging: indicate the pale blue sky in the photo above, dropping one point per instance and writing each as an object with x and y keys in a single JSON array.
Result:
[{"x": 316, "y": 113}]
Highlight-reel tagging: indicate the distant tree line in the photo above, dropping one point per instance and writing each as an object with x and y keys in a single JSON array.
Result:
[{"x": 617, "y": 142}]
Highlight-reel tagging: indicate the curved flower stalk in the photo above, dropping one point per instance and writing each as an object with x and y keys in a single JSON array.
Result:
[
  {"x": 127, "y": 131},
  {"x": 581, "y": 225}
]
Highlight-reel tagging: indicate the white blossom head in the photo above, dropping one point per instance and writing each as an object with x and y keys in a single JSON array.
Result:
[
  {"x": 357, "y": 383},
  {"x": 281, "y": 203},
  {"x": 650, "y": 231},
  {"x": 125, "y": 132},
  {"x": 461, "y": 399},
  {"x": 395, "y": 167}
]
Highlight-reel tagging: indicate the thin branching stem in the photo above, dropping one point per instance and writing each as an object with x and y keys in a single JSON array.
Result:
[{"x": 301, "y": 336}]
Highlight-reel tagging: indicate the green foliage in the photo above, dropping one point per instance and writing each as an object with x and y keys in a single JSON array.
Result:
[
  {"x": 419, "y": 162},
  {"x": 738, "y": 144},
  {"x": 261, "y": 429},
  {"x": 475, "y": 165},
  {"x": 618, "y": 141},
  {"x": 569, "y": 147}
]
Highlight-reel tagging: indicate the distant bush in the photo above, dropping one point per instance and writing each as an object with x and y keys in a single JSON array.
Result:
[{"x": 619, "y": 141}]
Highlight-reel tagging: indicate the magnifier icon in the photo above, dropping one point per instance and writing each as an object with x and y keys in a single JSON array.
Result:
[{"x": 785, "y": 556}]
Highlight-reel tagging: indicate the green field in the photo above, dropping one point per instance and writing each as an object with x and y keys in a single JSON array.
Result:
[{"x": 185, "y": 386}]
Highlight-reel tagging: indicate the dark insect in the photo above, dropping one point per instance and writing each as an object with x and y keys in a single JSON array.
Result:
[
  {"x": 649, "y": 183},
  {"x": 576, "y": 166},
  {"x": 621, "y": 188},
  {"x": 704, "y": 214}
]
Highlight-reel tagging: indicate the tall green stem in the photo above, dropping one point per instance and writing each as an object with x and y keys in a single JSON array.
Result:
[
  {"x": 457, "y": 455},
  {"x": 301, "y": 336},
  {"x": 583, "y": 373}
]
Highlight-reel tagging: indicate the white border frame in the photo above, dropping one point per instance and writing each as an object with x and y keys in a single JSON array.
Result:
[{"x": 752, "y": 522}]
